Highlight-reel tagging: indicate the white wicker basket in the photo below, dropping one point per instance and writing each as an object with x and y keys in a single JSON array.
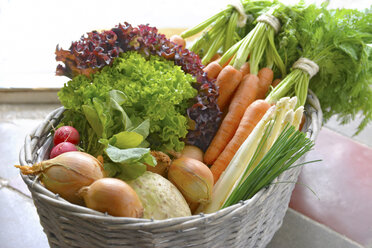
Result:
[{"x": 251, "y": 223}]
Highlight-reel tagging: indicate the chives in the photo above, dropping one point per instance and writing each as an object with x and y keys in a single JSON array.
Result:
[{"x": 286, "y": 150}]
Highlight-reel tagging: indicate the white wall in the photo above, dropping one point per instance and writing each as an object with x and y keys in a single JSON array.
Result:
[{"x": 31, "y": 29}]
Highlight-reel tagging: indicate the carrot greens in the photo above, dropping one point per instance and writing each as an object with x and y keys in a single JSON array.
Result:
[
  {"x": 225, "y": 28},
  {"x": 257, "y": 43},
  {"x": 338, "y": 42}
]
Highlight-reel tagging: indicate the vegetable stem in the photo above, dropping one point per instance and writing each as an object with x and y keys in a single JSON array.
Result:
[
  {"x": 213, "y": 48},
  {"x": 259, "y": 41},
  {"x": 296, "y": 83},
  {"x": 230, "y": 29},
  {"x": 230, "y": 53},
  {"x": 198, "y": 28}
]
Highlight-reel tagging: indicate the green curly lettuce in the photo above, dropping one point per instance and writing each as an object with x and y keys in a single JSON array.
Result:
[{"x": 153, "y": 89}]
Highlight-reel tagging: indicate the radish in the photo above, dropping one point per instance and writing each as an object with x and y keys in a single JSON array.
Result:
[
  {"x": 62, "y": 148},
  {"x": 66, "y": 134}
]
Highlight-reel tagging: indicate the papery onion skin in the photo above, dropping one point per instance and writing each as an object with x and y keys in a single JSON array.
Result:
[
  {"x": 193, "y": 152},
  {"x": 192, "y": 178},
  {"x": 113, "y": 196},
  {"x": 67, "y": 173}
]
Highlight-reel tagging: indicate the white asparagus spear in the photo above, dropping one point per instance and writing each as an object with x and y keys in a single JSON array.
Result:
[
  {"x": 238, "y": 164},
  {"x": 298, "y": 117}
]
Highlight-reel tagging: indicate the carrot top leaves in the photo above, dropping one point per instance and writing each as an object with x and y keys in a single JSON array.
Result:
[{"x": 338, "y": 40}]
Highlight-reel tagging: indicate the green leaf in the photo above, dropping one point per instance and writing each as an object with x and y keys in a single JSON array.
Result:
[
  {"x": 143, "y": 128},
  {"x": 349, "y": 49},
  {"x": 149, "y": 159},
  {"x": 118, "y": 96},
  {"x": 115, "y": 106},
  {"x": 102, "y": 116},
  {"x": 131, "y": 162},
  {"x": 93, "y": 119},
  {"x": 125, "y": 139},
  {"x": 104, "y": 142},
  {"x": 131, "y": 171},
  {"x": 144, "y": 144},
  {"x": 118, "y": 155},
  {"x": 111, "y": 169}
]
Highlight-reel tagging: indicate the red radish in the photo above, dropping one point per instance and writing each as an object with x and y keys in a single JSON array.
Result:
[
  {"x": 66, "y": 134},
  {"x": 62, "y": 148}
]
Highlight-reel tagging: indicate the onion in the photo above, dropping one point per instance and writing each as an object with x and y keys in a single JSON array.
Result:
[
  {"x": 192, "y": 178},
  {"x": 67, "y": 173},
  {"x": 113, "y": 196},
  {"x": 193, "y": 152}
]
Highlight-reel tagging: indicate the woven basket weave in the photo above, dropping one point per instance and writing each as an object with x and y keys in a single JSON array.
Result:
[{"x": 251, "y": 223}]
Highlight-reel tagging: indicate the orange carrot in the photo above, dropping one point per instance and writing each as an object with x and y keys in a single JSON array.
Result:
[
  {"x": 213, "y": 69},
  {"x": 276, "y": 82},
  {"x": 227, "y": 62},
  {"x": 245, "y": 69},
  {"x": 216, "y": 57},
  {"x": 251, "y": 117},
  {"x": 266, "y": 76},
  {"x": 178, "y": 40},
  {"x": 302, "y": 123},
  {"x": 243, "y": 97},
  {"x": 227, "y": 81}
]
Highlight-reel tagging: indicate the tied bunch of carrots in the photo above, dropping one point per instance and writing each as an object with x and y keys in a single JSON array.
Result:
[
  {"x": 241, "y": 99},
  {"x": 244, "y": 74},
  {"x": 292, "y": 44}
]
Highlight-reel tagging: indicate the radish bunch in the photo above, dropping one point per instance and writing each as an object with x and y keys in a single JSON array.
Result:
[{"x": 65, "y": 140}]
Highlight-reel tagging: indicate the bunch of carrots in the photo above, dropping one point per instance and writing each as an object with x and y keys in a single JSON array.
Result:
[
  {"x": 241, "y": 99},
  {"x": 244, "y": 73}
]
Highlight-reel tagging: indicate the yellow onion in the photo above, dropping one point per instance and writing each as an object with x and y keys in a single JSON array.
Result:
[
  {"x": 67, "y": 173},
  {"x": 193, "y": 152},
  {"x": 192, "y": 178},
  {"x": 112, "y": 196}
]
